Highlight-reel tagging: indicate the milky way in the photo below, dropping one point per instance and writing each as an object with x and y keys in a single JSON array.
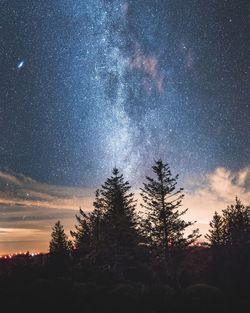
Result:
[
  {"x": 121, "y": 83},
  {"x": 87, "y": 85}
]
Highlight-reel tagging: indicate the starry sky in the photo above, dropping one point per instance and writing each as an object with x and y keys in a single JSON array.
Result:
[{"x": 89, "y": 85}]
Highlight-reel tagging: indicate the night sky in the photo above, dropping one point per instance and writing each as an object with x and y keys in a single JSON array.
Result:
[{"x": 89, "y": 85}]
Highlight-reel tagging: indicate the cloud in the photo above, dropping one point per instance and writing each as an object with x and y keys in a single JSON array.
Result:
[
  {"x": 28, "y": 210},
  {"x": 214, "y": 192},
  {"x": 20, "y": 239},
  {"x": 19, "y": 190},
  {"x": 25, "y": 201},
  {"x": 148, "y": 64},
  {"x": 8, "y": 178}
]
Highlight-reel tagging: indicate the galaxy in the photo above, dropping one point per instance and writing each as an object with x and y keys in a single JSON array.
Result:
[{"x": 87, "y": 86}]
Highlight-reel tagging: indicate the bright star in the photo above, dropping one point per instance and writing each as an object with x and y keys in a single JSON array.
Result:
[{"x": 20, "y": 64}]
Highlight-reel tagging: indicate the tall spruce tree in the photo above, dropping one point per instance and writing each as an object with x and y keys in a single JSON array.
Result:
[
  {"x": 216, "y": 235},
  {"x": 109, "y": 232},
  {"x": 59, "y": 246},
  {"x": 164, "y": 226},
  {"x": 119, "y": 219}
]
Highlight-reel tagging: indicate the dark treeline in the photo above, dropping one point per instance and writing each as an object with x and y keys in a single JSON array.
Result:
[{"x": 122, "y": 260}]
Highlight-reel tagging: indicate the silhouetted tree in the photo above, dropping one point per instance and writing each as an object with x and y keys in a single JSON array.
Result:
[
  {"x": 163, "y": 225},
  {"x": 88, "y": 234},
  {"x": 237, "y": 224},
  {"x": 82, "y": 234},
  {"x": 59, "y": 245},
  {"x": 109, "y": 233},
  {"x": 119, "y": 217},
  {"x": 232, "y": 228},
  {"x": 230, "y": 239},
  {"x": 216, "y": 241},
  {"x": 216, "y": 235}
]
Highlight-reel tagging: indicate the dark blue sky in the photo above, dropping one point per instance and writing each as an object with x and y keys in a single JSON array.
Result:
[{"x": 87, "y": 85}]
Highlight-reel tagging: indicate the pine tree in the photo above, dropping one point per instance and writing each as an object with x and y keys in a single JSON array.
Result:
[
  {"x": 232, "y": 228},
  {"x": 216, "y": 236},
  {"x": 230, "y": 239},
  {"x": 109, "y": 233},
  {"x": 119, "y": 219},
  {"x": 163, "y": 225},
  {"x": 82, "y": 233},
  {"x": 237, "y": 224},
  {"x": 88, "y": 233},
  {"x": 59, "y": 246}
]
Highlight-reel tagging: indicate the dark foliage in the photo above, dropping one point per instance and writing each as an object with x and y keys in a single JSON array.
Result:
[
  {"x": 60, "y": 246},
  {"x": 108, "y": 236},
  {"x": 216, "y": 236},
  {"x": 229, "y": 239}
]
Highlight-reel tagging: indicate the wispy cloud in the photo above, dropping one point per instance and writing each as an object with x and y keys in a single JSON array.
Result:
[
  {"x": 24, "y": 191},
  {"x": 215, "y": 191},
  {"x": 28, "y": 209}
]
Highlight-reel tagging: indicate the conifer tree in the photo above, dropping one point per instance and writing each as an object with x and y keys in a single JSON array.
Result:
[
  {"x": 230, "y": 239},
  {"x": 59, "y": 246},
  {"x": 119, "y": 219},
  {"x": 82, "y": 233},
  {"x": 237, "y": 224},
  {"x": 216, "y": 235},
  {"x": 164, "y": 226},
  {"x": 88, "y": 233},
  {"x": 109, "y": 232},
  {"x": 232, "y": 228}
]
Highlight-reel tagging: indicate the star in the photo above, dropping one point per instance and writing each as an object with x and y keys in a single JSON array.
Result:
[{"x": 20, "y": 65}]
